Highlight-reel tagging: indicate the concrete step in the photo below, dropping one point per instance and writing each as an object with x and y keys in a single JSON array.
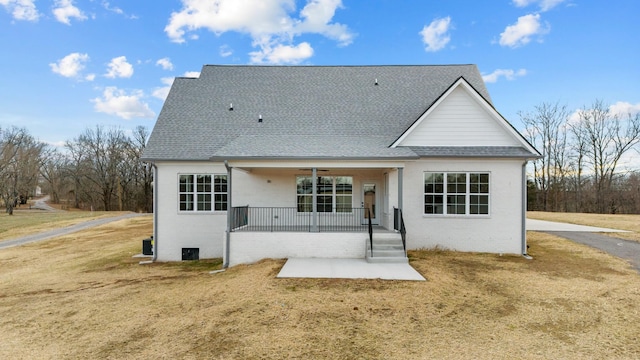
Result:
[
  {"x": 387, "y": 260},
  {"x": 387, "y": 253},
  {"x": 387, "y": 241},
  {"x": 387, "y": 235},
  {"x": 388, "y": 247}
]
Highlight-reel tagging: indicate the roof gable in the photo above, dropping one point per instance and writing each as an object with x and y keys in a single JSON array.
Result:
[{"x": 461, "y": 117}]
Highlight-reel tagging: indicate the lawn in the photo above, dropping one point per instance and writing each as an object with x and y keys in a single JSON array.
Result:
[{"x": 84, "y": 296}]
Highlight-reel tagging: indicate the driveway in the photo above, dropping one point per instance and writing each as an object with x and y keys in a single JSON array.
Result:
[
  {"x": 64, "y": 231},
  {"x": 591, "y": 236},
  {"x": 41, "y": 204},
  {"x": 545, "y": 226}
]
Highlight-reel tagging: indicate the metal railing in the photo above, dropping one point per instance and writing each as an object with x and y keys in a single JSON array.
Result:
[
  {"x": 398, "y": 224},
  {"x": 239, "y": 216},
  {"x": 370, "y": 226},
  {"x": 275, "y": 219}
]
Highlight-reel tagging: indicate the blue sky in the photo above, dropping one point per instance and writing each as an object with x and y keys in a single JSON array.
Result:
[{"x": 72, "y": 64}]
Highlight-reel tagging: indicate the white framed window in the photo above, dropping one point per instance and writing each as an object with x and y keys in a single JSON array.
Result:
[
  {"x": 333, "y": 194},
  {"x": 456, "y": 193},
  {"x": 202, "y": 192}
]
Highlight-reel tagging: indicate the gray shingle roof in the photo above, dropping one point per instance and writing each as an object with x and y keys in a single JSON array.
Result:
[
  {"x": 307, "y": 111},
  {"x": 473, "y": 151}
]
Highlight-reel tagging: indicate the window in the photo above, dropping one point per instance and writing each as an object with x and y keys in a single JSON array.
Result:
[
  {"x": 456, "y": 193},
  {"x": 203, "y": 192},
  {"x": 333, "y": 193},
  {"x": 479, "y": 194}
]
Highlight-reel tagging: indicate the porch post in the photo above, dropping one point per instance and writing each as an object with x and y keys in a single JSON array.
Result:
[
  {"x": 230, "y": 214},
  {"x": 400, "y": 181},
  {"x": 314, "y": 201}
]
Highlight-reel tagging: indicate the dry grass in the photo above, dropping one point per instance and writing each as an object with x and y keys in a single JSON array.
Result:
[
  {"x": 26, "y": 222},
  {"x": 613, "y": 221},
  {"x": 84, "y": 296}
]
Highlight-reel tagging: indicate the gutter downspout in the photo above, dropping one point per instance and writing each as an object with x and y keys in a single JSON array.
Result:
[
  {"x": 155, "y": 212},
  {"x": 524, "y": 211},
  {"x": 225, "y": 262},
  {"x": 155, "y": 216}
]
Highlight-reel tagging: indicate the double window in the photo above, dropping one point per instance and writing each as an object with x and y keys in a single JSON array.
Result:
[
  {"x": 333, "y": 193},
  {"x": 456, "y": 193},
  {"x": 203, "y": 192}
]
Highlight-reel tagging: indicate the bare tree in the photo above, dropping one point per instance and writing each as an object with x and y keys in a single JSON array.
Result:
[
  {"x": 607, "y": 138},
  {"x": 97, "y": 154},
  {"x": 20, "y": 159},
  {"x": 546, "y": 129},
  {"x": 142, "y": 174},
  {"x": 579, "y": 147},
  {"x": 54, "y": 169}
]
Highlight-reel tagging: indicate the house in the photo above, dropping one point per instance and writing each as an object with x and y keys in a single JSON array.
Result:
[{"x": 256, "y": 162}]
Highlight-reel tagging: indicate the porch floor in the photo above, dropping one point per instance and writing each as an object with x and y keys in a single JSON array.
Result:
[{"x": 347, "y": 269}]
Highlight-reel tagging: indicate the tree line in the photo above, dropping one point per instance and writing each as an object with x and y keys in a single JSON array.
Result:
[
  {"x": 98, "y": 170},
  {"x": 579, "y": 170}
]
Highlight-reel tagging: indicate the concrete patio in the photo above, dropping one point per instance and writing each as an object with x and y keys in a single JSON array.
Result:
[{"x": 347, "y": 269}]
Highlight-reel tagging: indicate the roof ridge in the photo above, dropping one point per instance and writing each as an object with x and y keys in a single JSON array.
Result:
[{"x": 335, "y": 66}]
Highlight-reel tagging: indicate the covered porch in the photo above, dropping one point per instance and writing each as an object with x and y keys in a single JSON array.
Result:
[{"x": 328, "y": 210}]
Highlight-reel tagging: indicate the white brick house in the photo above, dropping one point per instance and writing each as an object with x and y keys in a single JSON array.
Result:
[{"x": 257, "y": 162}]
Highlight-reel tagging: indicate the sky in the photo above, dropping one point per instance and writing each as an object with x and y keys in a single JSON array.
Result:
[{"x": 70, "y": 65}]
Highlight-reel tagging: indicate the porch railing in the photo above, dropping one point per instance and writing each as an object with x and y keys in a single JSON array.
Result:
[
  {"x": 274, "y": 219},
  {"x": 398, "y": 224}
]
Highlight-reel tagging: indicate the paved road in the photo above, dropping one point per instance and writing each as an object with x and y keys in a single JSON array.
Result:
[
  {"x": 64, "y": 231},
  {"x": 591, "y": 236},
  {"x": 625, "y": 249},
  {"x": 41, "y": 204}
]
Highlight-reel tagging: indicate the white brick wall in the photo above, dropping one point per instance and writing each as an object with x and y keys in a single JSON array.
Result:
[
  {"x": 500, "y": 232},
  {"x": 249, "y": 247}
]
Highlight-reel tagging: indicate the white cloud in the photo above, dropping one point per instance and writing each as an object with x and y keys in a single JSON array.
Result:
[
  {"x": 117, "y": 10},
  {"x": 119, "y": 67},
  {"x": 435, "y": 35},
  {"x": 225, "y": 51},
  {"x": 21, "y": 9},
  {"x": 165, "y": 63},
  {"x": 317, "y": 15},
  {"x": 545, "y": 5},
  {"x": 162, "y": 92},
  {"x": 508, "y": 74},
  {"x": 71, "y": 65},
  {"x": 127, "y": 106},
  {"x": 65, "y": 10},
  {"x": 192, "y": 74},
  {"x": 623, "y": 109},
  {"x": 521, "y": 32},
  {"x": 272, "y": 24},
  {"x": 114, "y": 9},
  {"x": 282, "y": 54}
]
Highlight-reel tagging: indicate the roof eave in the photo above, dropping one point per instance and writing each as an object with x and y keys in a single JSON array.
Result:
[{"x": 315, "y": 158}]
